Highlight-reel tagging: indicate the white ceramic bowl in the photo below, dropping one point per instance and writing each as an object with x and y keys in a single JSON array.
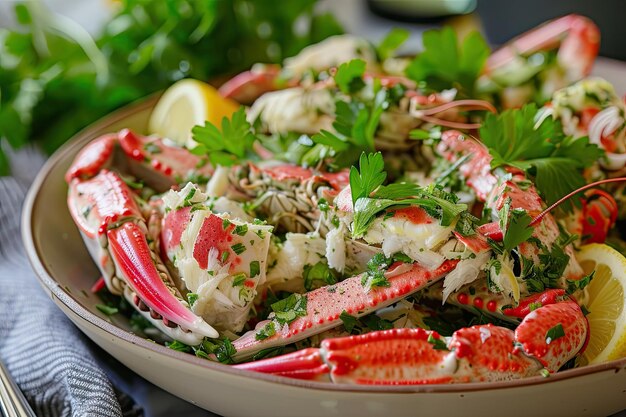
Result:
[{"x": 66, "y": 271}]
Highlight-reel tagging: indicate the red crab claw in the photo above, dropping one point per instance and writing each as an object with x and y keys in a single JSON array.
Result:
[
  {"x": 250, "y": 85},
  {"x": 325, "y": 305},
  {"x": 576, "y": 37},
  {"x": 161, "y": 164},
  {"x": 114, "y": 231},
  {"x": 417, "y": 356}
]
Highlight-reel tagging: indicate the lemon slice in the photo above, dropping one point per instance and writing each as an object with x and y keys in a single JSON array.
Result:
[
  {"x": 185, "y": 104},
  {"x": 606, "y": 298}
]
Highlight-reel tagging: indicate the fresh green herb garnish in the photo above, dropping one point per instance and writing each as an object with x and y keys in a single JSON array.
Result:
[
  {"x": 391, "y": 42},
  {"x": 227, "y": 146},
  {"x": 239, "y": 279},
  {"x": 349, "y": 321},
  {"x": 349, "y": 76},
  {"x": 266, "y": 331},
  {"x": 290, "y": 308},
  {"x": 555, "y": 162},
  {"x": 255, "y": 268},
  {"x": 446, "y": 64},
  {"x": 109, "y": 311},
  {"x": 577, "y": 285},
  {"x": 554, "y": 333},
  {"x": 319, "y": 273},
  {"x": 370, "y": 175},
  {"x": 437, "y": 343},
  {"x": 192, "y": 297},
  {"x": 238, "y": 248},
  {"x": 178, "y": 346},
  {"x": 241, "y": 230}
]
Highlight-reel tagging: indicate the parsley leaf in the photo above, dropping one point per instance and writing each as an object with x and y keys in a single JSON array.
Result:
[
  {"x": 349, "y": 76},
  {"x": 518, "y": 230},
  {"x": 266, "y": 331},
  {"x": 554, "y": 333},
  {"x": 514, "y": 138},
  {"x": 349, "y": 322},
  {"x": 392, "y": 41},
  {"x": 318, "y": 273},
  {"x": 444, "y": 64},
  {"x": 368, "y": 177},
  {"x": 290, "y": 308},
  {"x": 438, "y": 344},
  {"x": 228, "y": 146}
]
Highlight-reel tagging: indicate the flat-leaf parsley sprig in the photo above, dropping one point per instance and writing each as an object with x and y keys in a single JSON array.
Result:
[
  {"x": 370, "y": 197},
  {"x": 554, "y": 161},
  {"x": 228, "y": 146}
]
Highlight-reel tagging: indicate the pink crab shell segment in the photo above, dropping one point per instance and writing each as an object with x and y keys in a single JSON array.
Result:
[
  {"x": 390, "y": 357},
  {"x": 577, "y": 36},
  {"x": 476, "y": 170},
  {"x": 325, "y": 305},
  {"x": 249, "y": 85},
  {"x": 92, "y": 158},
  {"x": 285, "y": 172},
  {"x": 535, "y": 337},
  {"x": 303, "y": 364},
  {"x": 133, "y": 260},
  {"x": 97, "y": 203},
  {"x": 488, "y": 353}
]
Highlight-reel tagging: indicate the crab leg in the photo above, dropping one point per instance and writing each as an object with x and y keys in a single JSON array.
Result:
[
  {"x": 578, "y": 39},
  {"x": 478, "y": 353},
  {"x": 114, "y": 231},
  {"x": 145, "y": 157},
  {"x": 325, "y": 305}
]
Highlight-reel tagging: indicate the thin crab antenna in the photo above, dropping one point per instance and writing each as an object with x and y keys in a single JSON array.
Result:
[
  {"x": 426, "y": 114},
  {"x": 541, "y": 215}
]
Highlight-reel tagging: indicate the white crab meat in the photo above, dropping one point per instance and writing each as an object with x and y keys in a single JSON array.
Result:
[
  {"x": 294, "y": 110},
  {"x": 466, "y": 271},
  {"x": 287, "y": 260},
  {"x": 412, "y": 232},
  {"x": 330, "y": 53}
]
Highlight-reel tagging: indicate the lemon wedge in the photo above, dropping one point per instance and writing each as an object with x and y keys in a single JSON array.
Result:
[
  {"x": 606, "y": 298},
  {"x": 185, "y": 104}
]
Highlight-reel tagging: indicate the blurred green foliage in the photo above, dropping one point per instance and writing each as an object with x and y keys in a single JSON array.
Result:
[{"x": 56, "y": 79}]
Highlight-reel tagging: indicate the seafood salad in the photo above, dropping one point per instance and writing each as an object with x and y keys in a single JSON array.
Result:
[{"x": 374, "y": 219}]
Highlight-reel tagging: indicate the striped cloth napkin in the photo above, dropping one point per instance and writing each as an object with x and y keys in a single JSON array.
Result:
[{"x": 59, "y": 370}]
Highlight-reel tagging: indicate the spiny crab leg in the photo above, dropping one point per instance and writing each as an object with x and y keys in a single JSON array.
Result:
[
  {"x": 325, "y": 305},
  {"x": 417, "y": 356},
  {"x": 104, "y": 209}
]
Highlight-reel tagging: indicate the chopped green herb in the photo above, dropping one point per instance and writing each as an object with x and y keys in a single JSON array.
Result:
[
  {"x": 290, "y": 308},
  {"x": 437, "y": 343},
  {"x": 266, "y": 331},
  {"x": 576, "y": 285},
  {"x": 225, "y": 256},
  {"x": 109, "y": 311},
  {"x": 554, "y": 333},
  {"x": 239, "y": 279},
  {"x": 238, "y": 248},
  {"x": 255, "y": 269},
  {"x": 318, "y": 273},
  {"x": 349, "y": 322},
  {"x": 241, "y": 230},
  {"x": 178, "y": 346},
  {"x": 192, "y": 297},
  {"x": 544, "y": 373}
]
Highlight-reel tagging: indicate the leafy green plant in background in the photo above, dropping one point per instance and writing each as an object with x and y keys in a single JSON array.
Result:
[{"x": 55, "y": 79}]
